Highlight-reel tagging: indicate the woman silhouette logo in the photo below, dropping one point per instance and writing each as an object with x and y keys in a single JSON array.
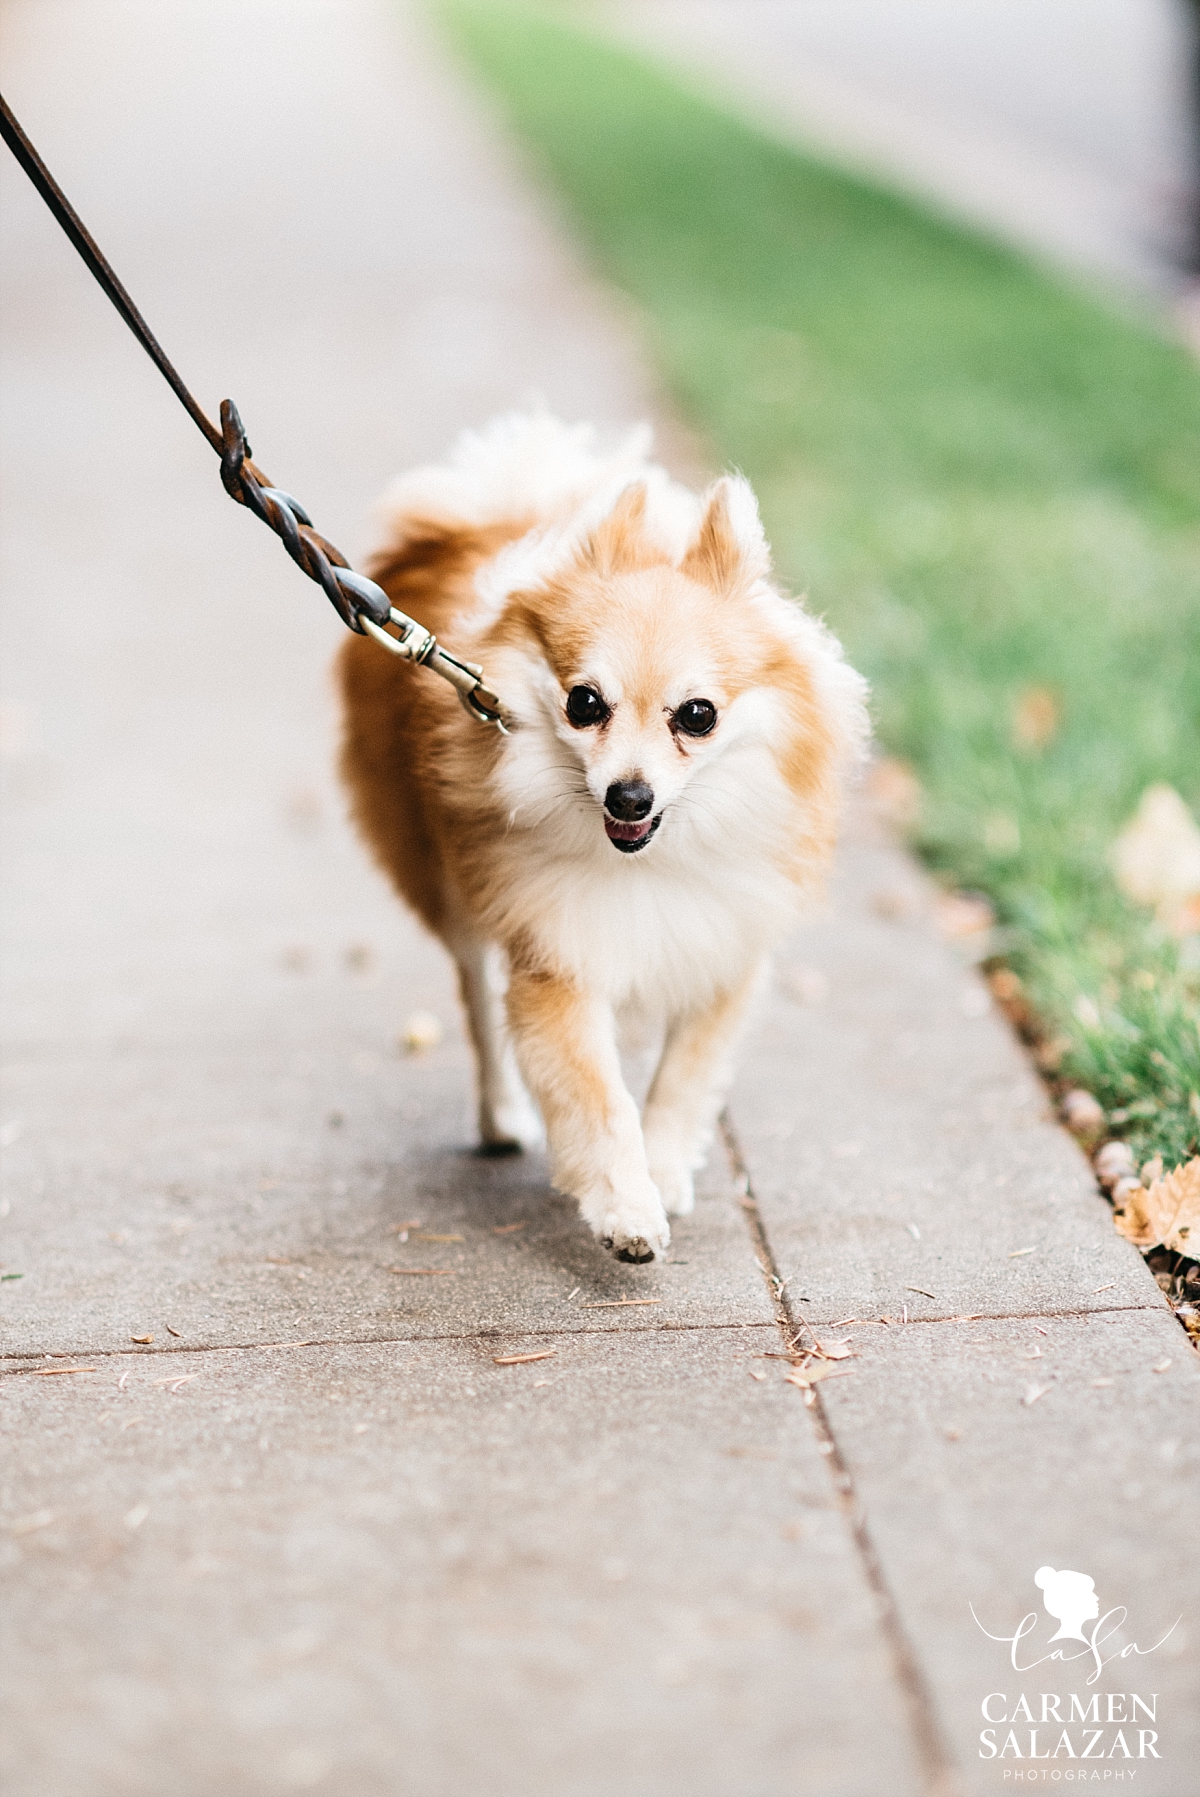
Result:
[{"x": 1070, "y": 1597}]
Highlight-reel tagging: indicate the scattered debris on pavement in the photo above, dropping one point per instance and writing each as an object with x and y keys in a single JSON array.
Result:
[{"x": 421, "y": 1031}]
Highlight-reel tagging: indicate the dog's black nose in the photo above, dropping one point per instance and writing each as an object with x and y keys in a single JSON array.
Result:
[{"x": 629, "y": 800}]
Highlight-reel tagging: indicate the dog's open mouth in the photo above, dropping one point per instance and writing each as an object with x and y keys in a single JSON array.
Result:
[{"x": 629, "y": 838}]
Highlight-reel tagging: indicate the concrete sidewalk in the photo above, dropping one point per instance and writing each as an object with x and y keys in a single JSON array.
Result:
[{"x": 312, "y": 1537}]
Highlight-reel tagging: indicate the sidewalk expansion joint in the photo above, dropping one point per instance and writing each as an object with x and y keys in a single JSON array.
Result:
[
  {"x": 1009, "y": 1316},
  {"x": 489, "y": 1336},
  {"x": 940, "y": 1772}
]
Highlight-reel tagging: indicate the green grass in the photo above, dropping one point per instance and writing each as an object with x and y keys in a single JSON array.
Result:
[{"x": 986, "y": 481}]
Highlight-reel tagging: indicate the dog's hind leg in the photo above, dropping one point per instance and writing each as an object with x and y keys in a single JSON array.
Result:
[
  {"x": 508, "y": 1121},
  {"x": 687, "y": 1091}
]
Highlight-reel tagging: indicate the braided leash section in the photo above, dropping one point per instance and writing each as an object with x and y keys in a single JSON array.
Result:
[
  {"x": 361, "y": 604},
  {"x": 290, "y": 522}
]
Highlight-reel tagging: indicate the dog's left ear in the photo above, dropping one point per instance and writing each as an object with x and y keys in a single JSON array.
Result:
[{"x": 730, "y": 553}]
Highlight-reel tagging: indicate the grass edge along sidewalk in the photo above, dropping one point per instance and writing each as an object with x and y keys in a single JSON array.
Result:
[{"x": 988, "y": 480}]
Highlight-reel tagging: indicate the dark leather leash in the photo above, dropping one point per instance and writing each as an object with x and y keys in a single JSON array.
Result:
[{"x": 361, "y": 605}]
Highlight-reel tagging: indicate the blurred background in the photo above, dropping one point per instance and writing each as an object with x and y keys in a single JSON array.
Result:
[{"x": 1065, "y": 124}]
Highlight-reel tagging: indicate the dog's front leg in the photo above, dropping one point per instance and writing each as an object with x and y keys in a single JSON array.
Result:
[
  {"x": 566, "y": 1045},
  {"x": 688, "y": 1088}
]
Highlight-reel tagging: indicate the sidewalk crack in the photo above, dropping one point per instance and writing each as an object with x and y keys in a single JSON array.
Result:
[{"x": 940, "y": 1772}]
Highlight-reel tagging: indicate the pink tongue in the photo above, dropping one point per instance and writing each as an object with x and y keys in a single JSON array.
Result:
[{"x": 626, "y": 832}]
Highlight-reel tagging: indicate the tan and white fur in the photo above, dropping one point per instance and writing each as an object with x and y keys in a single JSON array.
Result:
[{"x": 566, "y": 908}]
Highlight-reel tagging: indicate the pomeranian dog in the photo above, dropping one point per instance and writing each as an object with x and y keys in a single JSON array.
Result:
[{"x": 639, "y": 840}]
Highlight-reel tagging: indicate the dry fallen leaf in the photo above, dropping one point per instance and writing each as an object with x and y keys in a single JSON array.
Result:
[
  {"x": 1156, "y": 859},
  {"x": 834, "y": 1350},
  {"x": 422, "y": 1030},
  {"x": 26, "y": 1525},
  {"x": 1036, "y": 717},
  {"x": 1165, "y": 1211},
  {"x": 805, "y": 1377},
  {"x": 895, "y": 792},
  {"x": 143, "y": 1341}
]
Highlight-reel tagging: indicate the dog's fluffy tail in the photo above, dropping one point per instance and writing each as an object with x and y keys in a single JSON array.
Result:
[{"x": 523, "y": 465}]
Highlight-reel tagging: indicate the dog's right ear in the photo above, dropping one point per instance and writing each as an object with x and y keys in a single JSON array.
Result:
[
  {"x": 730, "y": 552},
  {"x": 619, "y": 545}
]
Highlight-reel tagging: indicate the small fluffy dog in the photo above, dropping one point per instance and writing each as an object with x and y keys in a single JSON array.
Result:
[{"x": 639, "y": 840}]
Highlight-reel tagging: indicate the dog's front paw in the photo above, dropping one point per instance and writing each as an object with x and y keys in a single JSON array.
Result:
[{"x": 636, "y": 1231}]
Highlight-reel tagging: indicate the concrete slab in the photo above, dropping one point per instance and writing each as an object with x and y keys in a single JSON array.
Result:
[
  {"x": 402, "y": 1567},
  {"x": 900, "y": 1145},
  {"x": 239, "y": 1193},
  {"x": 969, "y": 1488}
]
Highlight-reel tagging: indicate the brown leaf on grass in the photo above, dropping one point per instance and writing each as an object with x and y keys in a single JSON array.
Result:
[
  {"x": 1167, "y": 1211},
  {"x": 1036, "y": 717},
  {"x": 1156, "y": 859},
  {"x": 895, "y": 792}
]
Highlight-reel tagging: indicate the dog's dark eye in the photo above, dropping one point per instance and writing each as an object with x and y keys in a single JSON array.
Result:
[
  {"x": 585, "y": 706},
  {"x": 696, "y": 717}
]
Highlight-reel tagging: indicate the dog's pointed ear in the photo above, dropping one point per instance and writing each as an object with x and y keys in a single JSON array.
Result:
[
  {"x": 618, "y": 545},
  {"x": 730, "y": 551}
]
